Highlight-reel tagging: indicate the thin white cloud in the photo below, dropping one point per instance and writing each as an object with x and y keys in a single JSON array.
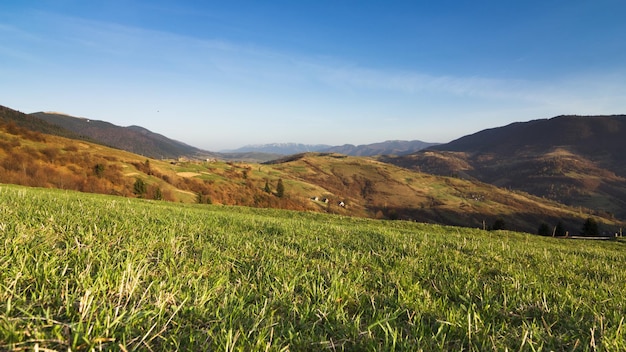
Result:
[
  {"x": 267, "y": 66},
  {"x": 242, "y": 84}
]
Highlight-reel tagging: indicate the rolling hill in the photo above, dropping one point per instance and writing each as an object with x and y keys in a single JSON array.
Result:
[
  {"x": 375, "y": 189},
  {"x": 134, "y": 139},
  {"x": 576, "y": 160},
  {"x": 138, "y": 140},
  {"x": 363, "y": 186}
]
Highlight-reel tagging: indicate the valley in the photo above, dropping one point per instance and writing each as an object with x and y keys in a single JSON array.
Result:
[
  {"x": 433, "y": 186},
  {"x": 365, "y": 187}
]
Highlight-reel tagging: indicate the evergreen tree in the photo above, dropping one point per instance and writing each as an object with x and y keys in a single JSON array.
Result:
[
  {"x": 590, "y": 228},
  {"x": 158, "y": 195},
  {"x": 280, "y": 188},
  {"x": 544, "y": 230},
  {"x": 267, "y": 187},
  {"x": 139, "y": 188}
]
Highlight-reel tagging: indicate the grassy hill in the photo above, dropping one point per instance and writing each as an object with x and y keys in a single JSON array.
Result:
[
  {"x": 575, "y": 160},
  {"x": 366, "y": 187},
  {"x": 375, "y": 189},
  {"x": 94, "y": 272}
]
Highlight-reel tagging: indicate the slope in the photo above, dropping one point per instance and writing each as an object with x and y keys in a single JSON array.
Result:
[
  {"x": 367, "y": 188},
  {"x": 576, "y": 160},
  {"x": 371, "y": 188},
  {"x": 90, "y": 272},
  {"x": 135, "y": 139}
]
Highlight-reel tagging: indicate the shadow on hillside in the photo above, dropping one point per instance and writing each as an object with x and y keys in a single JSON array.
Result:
[{"x": 521, "y": 222}]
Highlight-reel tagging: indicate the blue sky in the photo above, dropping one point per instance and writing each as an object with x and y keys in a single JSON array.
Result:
[{"x": 223, "y": 74}]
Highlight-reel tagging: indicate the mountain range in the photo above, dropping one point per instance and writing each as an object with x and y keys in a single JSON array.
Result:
[
  {"x": 574, "y": 160},
  {"x": 279, "y": 148},
  {"x": 394, "y": 147},
  {"x": 142, "y": 141}
]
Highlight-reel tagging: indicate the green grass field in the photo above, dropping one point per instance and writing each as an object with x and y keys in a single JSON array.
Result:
[{"x": 91, "y": 272}]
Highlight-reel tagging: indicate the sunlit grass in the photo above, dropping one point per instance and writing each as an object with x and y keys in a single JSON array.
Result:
[{"x": 83, "y": 272}]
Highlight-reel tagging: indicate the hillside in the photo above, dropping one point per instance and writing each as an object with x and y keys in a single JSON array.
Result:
[
  {"x": 375, "y": 189},
  {"x": 10, "y": 117},
  {"x": 90, "y": 272},
  {"x": 134, "y": 139},
  {"x": 576, "y": 160},
  {"x": 366, "y": 187}
]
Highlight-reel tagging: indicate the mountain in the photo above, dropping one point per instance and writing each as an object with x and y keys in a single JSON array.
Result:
[
  {"x": 279, "y": 149},
  {"x": 382, "y": 148},
  {"x": 576, "y": 160},
  {"x": 353, "y": 186},
  {"x": 135, "y": 139}
]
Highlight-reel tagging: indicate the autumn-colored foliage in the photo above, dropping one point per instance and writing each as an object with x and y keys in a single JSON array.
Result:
[{"x": 56, "y": 166}]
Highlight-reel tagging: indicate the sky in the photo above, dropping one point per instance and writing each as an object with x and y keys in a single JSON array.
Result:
[{"x": 223, "y": 74}]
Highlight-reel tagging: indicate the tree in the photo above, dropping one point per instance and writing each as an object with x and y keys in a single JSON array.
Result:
[
  {"x": 544, "y": 230},
  {"x": 280, "y": 188},
  {"x": 498, "y": 224},
  {"x": 139, "y": 188},
  {"x": 267, "y": 187},
  {"x": 158, "y": 195},
  {"x": 590, "y": 228}
]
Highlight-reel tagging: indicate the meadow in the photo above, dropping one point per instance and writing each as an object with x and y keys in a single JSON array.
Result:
[{"x": 93, "y": 272}]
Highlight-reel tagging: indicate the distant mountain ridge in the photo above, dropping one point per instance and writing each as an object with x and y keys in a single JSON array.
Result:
[
  {"x": 395, "y": 147},
  {"x": 279, "y": 148},
  {"x": 140, "y": 140}
]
